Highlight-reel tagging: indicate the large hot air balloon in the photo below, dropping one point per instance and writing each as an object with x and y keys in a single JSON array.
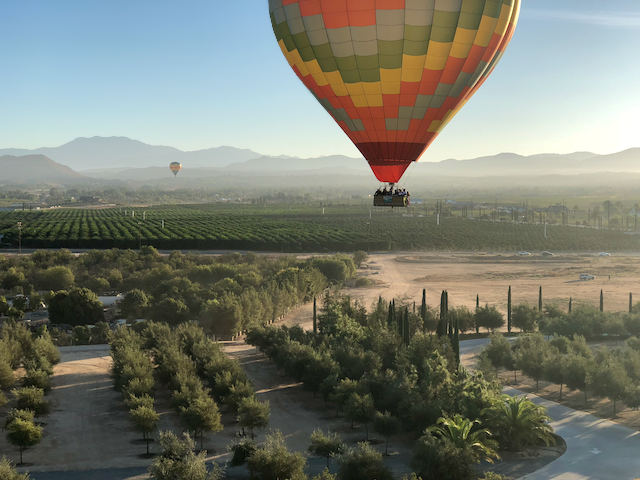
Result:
[
  {"x": 393, "y": 73},
  {"x": 175, "y": 168}
]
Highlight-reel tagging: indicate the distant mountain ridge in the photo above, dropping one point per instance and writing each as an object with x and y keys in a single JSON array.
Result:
[
  {"x": 110, "y": 152},
  {"x": 36, "y": 168},
  {"x": 122, "y": 159}
]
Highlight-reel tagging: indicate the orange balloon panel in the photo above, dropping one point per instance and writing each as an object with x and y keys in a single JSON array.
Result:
[{"x": 393, "y": 73}]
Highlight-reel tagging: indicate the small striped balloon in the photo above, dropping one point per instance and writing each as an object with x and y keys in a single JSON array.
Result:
[
  {"x": 175, "y": 168},
  {"x": 393, "y": 73}
]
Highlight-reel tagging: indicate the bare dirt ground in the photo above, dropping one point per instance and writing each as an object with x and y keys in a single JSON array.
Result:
[{"x": 88, "y": 427}]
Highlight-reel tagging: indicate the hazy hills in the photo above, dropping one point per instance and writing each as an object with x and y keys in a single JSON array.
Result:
[
  {"x": 121, "y": 152},
  {"x": 36, "y": 168},
  {"x": 119, "y": 159}
]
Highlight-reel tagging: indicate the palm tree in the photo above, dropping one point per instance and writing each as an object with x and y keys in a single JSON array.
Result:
[
  {"x": 459, "y": 431},
  {"x": 518, "y": 422}
]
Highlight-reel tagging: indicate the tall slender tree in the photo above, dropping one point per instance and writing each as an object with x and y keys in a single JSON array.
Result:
[
  {"x": 315, "y": 320},
  {"x": 540, "y": 299},
  {"x": 477, "y": 308},
  {"x": 423, "y": 309},
  {"x": 570, "y": 302},
  {"x": 630, "y": 302},
  {"x": 601, "y": 301},
  {"x": 405, "y": 328},
  {"x": 509, "y": 310},
  {"x": 390, "y": 316},
  {"x": 456, "y": 340}
]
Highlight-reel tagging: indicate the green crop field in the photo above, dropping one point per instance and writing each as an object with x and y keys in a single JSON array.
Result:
[{"x": 297, "y": 228}]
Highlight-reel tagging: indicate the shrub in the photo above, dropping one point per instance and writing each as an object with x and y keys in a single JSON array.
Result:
[
  {"x": 363, "y": 463},
  {"x": 441, "y": 459},
  {"x": 30, "y": 398}
]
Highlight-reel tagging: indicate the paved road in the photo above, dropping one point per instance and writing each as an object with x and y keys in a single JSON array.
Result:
[{"x": 596, "y": 448}]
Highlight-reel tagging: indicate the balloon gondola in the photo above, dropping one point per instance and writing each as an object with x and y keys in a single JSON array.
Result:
[{"x": 393, "y": 73}]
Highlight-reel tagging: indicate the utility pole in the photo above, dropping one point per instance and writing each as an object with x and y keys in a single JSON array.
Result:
[{"x": 20, "y": 237}]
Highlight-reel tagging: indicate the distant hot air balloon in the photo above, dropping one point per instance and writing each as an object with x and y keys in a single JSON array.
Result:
[
  {"x": 175, "y": 168},
  {"x": 393, "y": 73}
]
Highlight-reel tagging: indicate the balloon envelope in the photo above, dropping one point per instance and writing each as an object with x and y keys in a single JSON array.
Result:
[
  {"x": 175, "y": 168},
  {"x": 392, "y": 73}
]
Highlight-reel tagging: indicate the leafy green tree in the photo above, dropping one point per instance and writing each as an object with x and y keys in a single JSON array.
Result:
[
  {"x": 31, "y": 398},
  {"x": 43, "y": 346},
  {"x": 360, "y": 257},
  {"x": 7, "y": 378},
  {"x": 489, "y": 318},
  {"x": 609, "y": 379},
  {"x": 386, "y": 425},
  {"x": 253, "y": 414},
  {"x": 464, "y": 317},
  {"x": 145, "y": 420},
  {"x": 23, "y": 434},
  {"x": 274, "y": 461},
  {"x": 576, "y": 374},
  {"x": 361, "y": 409},
  {"x": 79, "y": 306},
  {"x": 363, "y": 463},
  {"x": 497, "y": 348},
  {"x": 8, "y": 472},
  {"x": 238, "y": 392},
  {"x": 170, "y": 311},
  {"x": 178, "y": 461},
  {"x": 134, "y": 304},
  {"x": 517, "y": 422},
  {"x": 134, "y": 402},
  {"x": 14, "y": 414},
  {"x": 461, "y": 433},
  {"x": 202, "y": 415},
  {"x": 3, "y": 399},
  {"x": 57, "y": 278},
  {"x": 325, "y": 475},
  {"x": 534, "y": 352},
  {"x": 37, "y": 378},
  {"x": 555, "y": 370},
  {"x": 241, "y": 451},
  {"x": 326, "y": 446},
  {"x": 222, "y": 316},
  {"x": 525, "y": 317},
  {"x": 440, "y": 459}
]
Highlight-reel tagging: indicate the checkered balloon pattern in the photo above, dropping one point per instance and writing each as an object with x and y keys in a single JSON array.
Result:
[{"x": 393, "y": 73}]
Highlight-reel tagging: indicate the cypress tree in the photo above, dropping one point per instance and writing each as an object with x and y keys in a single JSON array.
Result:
[
  {"x": 601, "y": 301},
  {"x": 509, "y": 311},
  {"x": 442, "y": 327},
  {"x": 540, "y": 300},
  {"x": 423, "y": 310},
  {"x": 631, "y": 303},
  {"x": 456, "y": 340},
  {"x": 570, "y": 302},
  {"x": 477, "y": 308},
  {"x": 315, "y": 323},
  {"x": 394, "y": 318},
  {"x": 390, "y": 316},
  {"x": 414, "y": 308},
  {"x": 407, "y": 333},
  {"x": 448, "y": 320}
]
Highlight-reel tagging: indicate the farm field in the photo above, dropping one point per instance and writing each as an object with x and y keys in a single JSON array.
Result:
[{"x": 298, "y": 228}]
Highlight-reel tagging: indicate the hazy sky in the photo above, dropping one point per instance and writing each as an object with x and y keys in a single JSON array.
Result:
[{"x": 199, "y": 74}]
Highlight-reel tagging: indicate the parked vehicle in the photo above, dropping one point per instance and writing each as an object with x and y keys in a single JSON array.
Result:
[
  {"x": 604, "y": 254},
  {"x": 547, "y": 254},
  {"x": 586, "y": 276},
  {"x": 524, "y": 254}
]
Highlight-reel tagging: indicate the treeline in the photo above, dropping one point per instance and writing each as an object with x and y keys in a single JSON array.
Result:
[
  {"x": 602, "y": 372},
  {"x": 37, "y": 355},
  {"x": 226, "y": 293},
  {"x": 394, "y": 376},
  {"x": 193, "y": 368}
]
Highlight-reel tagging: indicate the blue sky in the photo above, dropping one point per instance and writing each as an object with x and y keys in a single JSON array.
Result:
[{"x": 196, "y": 74}]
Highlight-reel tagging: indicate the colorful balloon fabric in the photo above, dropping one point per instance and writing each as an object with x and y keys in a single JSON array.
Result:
[
  {"x": 175, "y": 168},
  {"x": 393, "y": 73}
]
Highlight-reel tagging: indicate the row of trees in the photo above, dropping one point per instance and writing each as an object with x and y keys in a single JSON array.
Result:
[
  {"x": 225, "y": 294},
  {"x": 37, "y": 355},
  {"x": 366, "y": 368},
  {"x": 184, "y": 359},
  {"x": 610, "y": 373}
]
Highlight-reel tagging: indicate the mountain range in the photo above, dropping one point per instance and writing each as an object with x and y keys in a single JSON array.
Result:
[{"x": 99, "y": 159}]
